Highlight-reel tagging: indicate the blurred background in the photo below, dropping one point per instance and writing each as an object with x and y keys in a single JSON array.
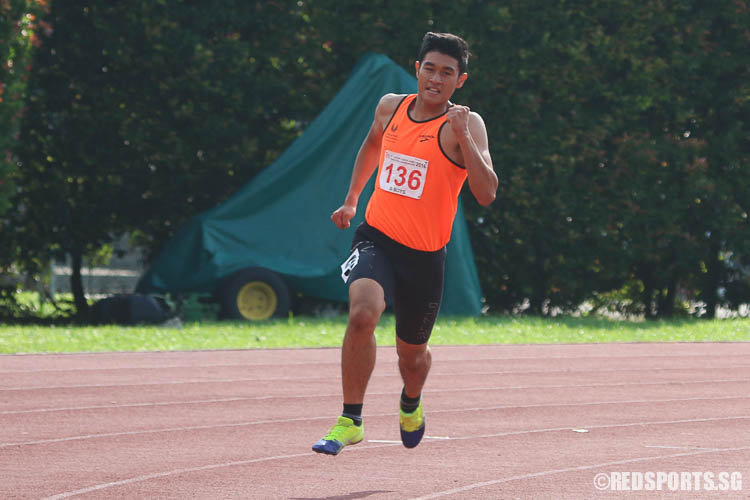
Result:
[{"x": 619, "y": 130}]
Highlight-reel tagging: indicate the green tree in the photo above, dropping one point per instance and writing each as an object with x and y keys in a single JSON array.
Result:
[
  {"x": 143, "y": 113},
  {"x": 618, "y": 129},
  {"x": 607, "y": 114},
  {"x": 720, "y": 121},
  {"x": 679, "y": 153},
  {"x": 17, "y": 36},
  {"x": 602, "y": 118}
]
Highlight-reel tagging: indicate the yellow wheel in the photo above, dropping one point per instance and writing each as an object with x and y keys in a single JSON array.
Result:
[
  {"x": 257, "y": 300},
  {"x": 255, "y": 294}
]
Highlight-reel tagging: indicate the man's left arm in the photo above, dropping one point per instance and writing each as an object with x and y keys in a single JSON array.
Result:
[{"x": 471, "y": 135}]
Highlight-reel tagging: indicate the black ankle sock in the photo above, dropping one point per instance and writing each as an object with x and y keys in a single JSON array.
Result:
[
  {"x": 354, "y": 412},
  {"x": 408, "y": 404}
]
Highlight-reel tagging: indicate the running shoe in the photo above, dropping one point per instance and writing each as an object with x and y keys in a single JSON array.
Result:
[
  {"x": 342, "y": 434},
  {"x": 412, "y": 426}
]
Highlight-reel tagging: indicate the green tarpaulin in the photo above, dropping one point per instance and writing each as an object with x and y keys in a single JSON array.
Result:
[{"x": 280, "y": 220}]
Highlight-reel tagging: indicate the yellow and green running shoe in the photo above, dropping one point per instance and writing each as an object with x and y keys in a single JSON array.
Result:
[
  {"x": 342, "y": 434},
  {"x": 412, "y": 426}
]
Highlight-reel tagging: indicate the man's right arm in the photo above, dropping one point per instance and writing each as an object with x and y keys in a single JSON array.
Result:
[{"x": 367, "y": 160}]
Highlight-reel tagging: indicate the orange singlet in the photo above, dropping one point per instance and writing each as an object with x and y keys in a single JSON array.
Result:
[{"x": 417, "y": 188}]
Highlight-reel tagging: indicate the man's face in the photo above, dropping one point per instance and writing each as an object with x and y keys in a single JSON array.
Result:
[{"x": 438, "y": 77}]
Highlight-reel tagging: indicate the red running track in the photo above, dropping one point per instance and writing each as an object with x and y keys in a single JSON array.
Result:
[{"x": 503, "y": 422}]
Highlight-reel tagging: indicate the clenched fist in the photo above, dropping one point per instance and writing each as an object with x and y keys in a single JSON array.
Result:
[
  {"x": 342, "y": 215},
  {"x": 458, "y": 118}
]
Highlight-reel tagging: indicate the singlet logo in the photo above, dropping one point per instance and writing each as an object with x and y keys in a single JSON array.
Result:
[
  {"x": 391, "y": 136},
  {"x": 425, "y": 137}
]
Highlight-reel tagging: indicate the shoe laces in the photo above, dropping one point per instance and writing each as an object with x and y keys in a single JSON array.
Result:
[
  {"x": 411, "y": 421},
  {"x": 337, "y": 431}
]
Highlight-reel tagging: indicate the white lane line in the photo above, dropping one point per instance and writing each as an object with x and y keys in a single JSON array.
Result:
[
  {"x": 436, "y": 350},
  {"x": 393, "y": 441},
  {"x": 305, "y": 419},
  {"x": 580, "y": 468},
  {"x": 245, "y": 380},
  {"x": 163, "y": 367},
  {"x": 115, "y": 406},
  {"x": 156, "y": 431},
  {"x": 603, "y": 426},
  {"x": 337, "y": 376},
  {"x": 159, "y": 475},
  {"x": 384, "y": 444},
  {"x": 664, "y": 447}
]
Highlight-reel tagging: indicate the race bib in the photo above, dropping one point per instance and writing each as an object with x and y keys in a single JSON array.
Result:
[
  {"x": 403, "y": 174},
  {"x": 349, "y": 264}
]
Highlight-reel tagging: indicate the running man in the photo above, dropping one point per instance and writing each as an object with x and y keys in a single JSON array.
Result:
[{"x": 426, "y": 148}]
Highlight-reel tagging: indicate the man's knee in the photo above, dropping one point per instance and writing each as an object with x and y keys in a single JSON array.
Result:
[
  {"x": 411, "y": 353},
  {"x": 364, "y": 317},
  {"x": 366, "y": 304}
]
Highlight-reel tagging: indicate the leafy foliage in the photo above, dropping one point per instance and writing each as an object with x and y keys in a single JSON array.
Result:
[
  {"x": 18, "y": 28},
  {"x": 166, "y": 109},
  {"x": 619, "y": 130}
]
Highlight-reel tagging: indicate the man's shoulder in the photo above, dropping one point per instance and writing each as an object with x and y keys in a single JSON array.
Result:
[
  {"x": 473, "y": 115},
  {"x": 387, "y": 106},
  {"x": 389, "y": 102},
  {"x": 393, "y": 97},
  {"x": 477, "y": 127},
  {"x": 476, "y": 120}
]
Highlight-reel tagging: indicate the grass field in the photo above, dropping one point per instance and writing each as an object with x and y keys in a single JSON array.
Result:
[{"x": 319, "y": 332}]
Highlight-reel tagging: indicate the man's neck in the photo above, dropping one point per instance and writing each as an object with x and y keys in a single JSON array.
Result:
[{"x": 422, "y": 111}]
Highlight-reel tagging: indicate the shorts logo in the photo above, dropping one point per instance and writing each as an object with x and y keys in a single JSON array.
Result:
[
  {"x": 349, "y": 264},
  {"x": 428, "y": 320}
]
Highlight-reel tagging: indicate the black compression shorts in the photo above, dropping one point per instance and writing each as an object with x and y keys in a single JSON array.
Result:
[{"x": 412, "y": 279}]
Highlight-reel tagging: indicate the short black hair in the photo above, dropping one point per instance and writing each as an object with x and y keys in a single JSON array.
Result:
[{"x": 448, "y": 44}]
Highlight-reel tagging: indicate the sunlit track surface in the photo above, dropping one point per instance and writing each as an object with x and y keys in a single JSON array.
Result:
[{"x": 512, "y": 421}]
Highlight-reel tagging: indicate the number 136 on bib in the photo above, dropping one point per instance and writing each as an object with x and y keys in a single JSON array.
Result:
[{"x": 403, "y": 175}]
